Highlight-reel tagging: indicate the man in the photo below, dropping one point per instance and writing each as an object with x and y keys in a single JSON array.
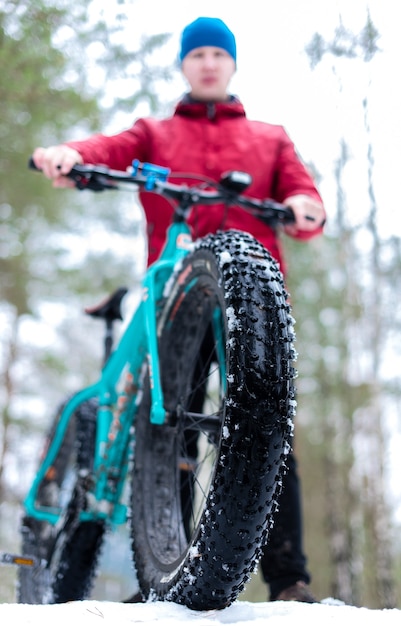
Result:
[{"x": 209, "y": 134}]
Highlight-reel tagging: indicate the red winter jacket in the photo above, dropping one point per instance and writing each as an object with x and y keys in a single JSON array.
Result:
[{"x": 208, "y": 139}]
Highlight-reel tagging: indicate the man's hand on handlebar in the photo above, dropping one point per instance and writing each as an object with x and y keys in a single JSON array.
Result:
[
  {"x": 65, "y": 167},
  {"x": 55, "y": 162},
  {"x": 309, "y": 214}
]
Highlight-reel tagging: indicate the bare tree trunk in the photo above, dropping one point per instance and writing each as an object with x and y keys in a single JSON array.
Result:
[
  {"x": 381, "y": 523},
  {"x": 340, "y": 539}
]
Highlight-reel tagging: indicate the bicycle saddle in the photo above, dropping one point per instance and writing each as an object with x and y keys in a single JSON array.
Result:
[{"x": 110, "y": 308}]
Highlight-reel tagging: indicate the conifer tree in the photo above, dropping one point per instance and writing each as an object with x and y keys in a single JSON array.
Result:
[{"x": 57, "y": 247}]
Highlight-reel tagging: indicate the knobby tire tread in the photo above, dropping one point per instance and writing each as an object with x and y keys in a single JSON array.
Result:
[{"x": 213, "y": 564}]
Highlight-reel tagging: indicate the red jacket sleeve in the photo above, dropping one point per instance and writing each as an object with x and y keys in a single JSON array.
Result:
[
  {"x": 293, "y": 178},
  {"x": 115, "y": 151}
]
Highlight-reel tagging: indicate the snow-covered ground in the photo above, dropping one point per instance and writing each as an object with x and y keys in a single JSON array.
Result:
[{"x": 168, "y": 614}]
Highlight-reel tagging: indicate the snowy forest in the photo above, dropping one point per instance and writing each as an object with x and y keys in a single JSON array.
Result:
[{"x": 63, "y": 250}]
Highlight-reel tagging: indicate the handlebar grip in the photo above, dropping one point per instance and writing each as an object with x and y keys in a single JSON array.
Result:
[
  {"x": 32, "y": 166},
  {"x": 77, "y": 177},
  {"x": 289, "y": 217}
]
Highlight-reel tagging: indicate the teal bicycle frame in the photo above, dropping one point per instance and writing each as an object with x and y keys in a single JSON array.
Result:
[{"x": 117, "y": 391}]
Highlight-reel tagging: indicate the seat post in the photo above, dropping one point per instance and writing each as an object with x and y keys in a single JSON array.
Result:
[
  {"x": 109, "y": 310},
  {"x": 108, "y": 340}
]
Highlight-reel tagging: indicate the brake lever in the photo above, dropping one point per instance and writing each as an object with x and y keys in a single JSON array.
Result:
[
  {"x": 276, "y": 212},
  {"x": 95, "y": 181}
]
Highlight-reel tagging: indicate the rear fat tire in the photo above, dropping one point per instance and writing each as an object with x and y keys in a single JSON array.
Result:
[
  {"x": 69, "y": 555},
  {"x": 206, "y": 565}
]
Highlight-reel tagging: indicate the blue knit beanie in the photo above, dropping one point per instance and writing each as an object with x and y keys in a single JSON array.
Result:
[{"x": 207, "y": 31}]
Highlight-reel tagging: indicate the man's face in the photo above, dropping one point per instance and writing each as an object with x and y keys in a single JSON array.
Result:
[{"x": 208, "y": 70}]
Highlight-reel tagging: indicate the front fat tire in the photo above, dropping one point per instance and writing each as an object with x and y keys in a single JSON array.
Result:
[{"x": 207, "y": 567}]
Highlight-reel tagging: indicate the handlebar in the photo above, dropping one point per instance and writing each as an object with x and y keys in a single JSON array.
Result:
[{"x": 153, "y": 178}]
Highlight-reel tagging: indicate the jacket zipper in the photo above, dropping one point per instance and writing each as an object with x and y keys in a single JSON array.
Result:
[{"x": 211, "y": 110}]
